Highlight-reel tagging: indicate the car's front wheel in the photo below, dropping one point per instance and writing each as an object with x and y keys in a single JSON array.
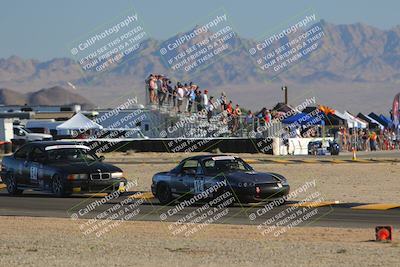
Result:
[
  {"x": 164, "y": 194},
  {"x": 58, "y": 186},
  {"x": 12, "y": 186}
]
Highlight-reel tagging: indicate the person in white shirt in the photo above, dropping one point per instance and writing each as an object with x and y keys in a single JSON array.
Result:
[
  {"x": 205, "y": 99},
  {"x": 180, "y": 95}
]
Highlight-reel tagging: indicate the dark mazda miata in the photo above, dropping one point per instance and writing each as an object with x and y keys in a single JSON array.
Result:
[
  {"x": 61, "y": 168},
  {"x": 224, "y": 173}
]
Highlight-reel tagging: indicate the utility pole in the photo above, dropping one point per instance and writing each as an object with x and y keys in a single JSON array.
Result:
[{"x": 284, "y": 88}]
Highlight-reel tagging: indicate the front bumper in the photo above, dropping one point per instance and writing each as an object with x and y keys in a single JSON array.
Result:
[
  {"x": 264, "y": 193},
  {"x": 97, "y": 186}
]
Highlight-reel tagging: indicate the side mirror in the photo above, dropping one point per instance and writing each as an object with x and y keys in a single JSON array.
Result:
[{"x": 102, "y": 158}]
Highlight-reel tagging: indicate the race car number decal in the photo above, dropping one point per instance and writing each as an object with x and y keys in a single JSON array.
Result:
[
  {"x": 198, "y": 186},
  {"x": 34, "y": 173}
]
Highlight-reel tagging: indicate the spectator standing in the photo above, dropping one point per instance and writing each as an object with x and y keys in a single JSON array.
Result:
[
  {"x": 152, "y": 89},
  {"x": 229, "y": 108},
  {"x": 186, "y": 96},
  {"x": 147, "y": 87},
  {"x": 210, "y": 108},
  {"x": 365, "y": 140},
  {"x": 198, "y": 100},
  {"x": 236, "y": 117},
  {"x": 372, "y": 141},
  {"x": 162, "y": 90},
  {"x": 170, "y": 91},
  {"x": 248, "y": 120},
  {"x": 268, "y": 116},
  {"x": 174, "y": 95},
  {"x": 192, "y": 97},
  {"x": 204, "y": 99},
  {"x": 223, "y": 101},
  {"x": 249, "y": 117},
  {"x": 180, "y": 96}
]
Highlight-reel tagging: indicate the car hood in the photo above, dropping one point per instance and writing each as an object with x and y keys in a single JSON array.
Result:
[
  {"x": 252, "y": 176},
  {"x": 85, "y": 167}
]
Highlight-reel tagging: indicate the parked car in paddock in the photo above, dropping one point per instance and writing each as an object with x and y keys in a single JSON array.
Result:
[
  {"x": 61, "y": 168},
  {"x": 319, "y": 148},
  {"x": 196, "y": 174},
  {"x": 29, "y": 136}
]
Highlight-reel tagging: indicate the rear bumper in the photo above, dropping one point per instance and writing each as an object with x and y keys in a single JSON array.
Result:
[{"x": 103, "y": 186}]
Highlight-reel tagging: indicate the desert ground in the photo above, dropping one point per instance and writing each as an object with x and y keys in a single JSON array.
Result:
[{"x": 38, "y": 241}]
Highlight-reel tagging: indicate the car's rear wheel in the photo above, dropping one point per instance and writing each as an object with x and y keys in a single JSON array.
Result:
[
  {"x": 12, "y": 186},
  {"x": 164, "y": 194},
  {"x": 58, "y": 186}
]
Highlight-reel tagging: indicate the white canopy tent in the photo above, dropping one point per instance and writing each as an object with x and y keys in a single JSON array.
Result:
[
  {"x": 349, "y": 121},
  {"x": 354, "y": 122},
  {"x": 78, "y": 122}
]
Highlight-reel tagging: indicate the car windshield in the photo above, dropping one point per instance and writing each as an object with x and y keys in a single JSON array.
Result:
[
  {"x": 227, "y": 165},
  {"x": 71, "y": 154}
]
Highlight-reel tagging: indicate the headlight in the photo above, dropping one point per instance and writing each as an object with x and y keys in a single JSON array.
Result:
[
  {"x": 117, "y": 175},
  {"x": 78, "y": 176}
]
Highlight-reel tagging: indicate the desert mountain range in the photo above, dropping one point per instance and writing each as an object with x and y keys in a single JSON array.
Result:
[{"x": 357, "y": 69}]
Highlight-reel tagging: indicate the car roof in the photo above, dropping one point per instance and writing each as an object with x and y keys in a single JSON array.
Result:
[
  {"x": 203, "y": 157},
  {"x": 44, "y": 144}
]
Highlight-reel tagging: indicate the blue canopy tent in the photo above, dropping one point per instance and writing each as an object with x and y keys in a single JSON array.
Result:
[
  {"x": 378, "y": 119},
  {"x": 304, "y": 119},
  {"x": 386, "y": 119}
]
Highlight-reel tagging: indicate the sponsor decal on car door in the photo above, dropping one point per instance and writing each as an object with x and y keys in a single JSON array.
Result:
[{"x": 198, "y": 185}]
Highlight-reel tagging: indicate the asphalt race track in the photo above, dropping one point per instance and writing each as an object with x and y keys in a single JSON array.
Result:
[{"x": 341, "y": 215}]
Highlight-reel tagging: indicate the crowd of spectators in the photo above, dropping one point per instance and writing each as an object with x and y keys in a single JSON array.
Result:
[
  {"x": 188, "y": 98},
  {"x": 367, "y": 139}
]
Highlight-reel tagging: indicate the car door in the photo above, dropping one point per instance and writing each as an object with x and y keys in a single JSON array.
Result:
[
  {"x": 185, "y": 178},
  {"x": 36, "y": 167},
  {"x": 199, "y": 180},
  {"x": 21, "y": 167},
  {"x": 193, "y": 178}
]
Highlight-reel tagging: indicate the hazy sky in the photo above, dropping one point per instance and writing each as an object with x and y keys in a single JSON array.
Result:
[{"x": 42, "y": 29}]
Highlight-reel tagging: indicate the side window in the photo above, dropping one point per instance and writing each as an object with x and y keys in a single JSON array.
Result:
[
  {"x": 18, "y": 132},
  {"x": 190, "y": 166},
  {"x": 38, "y": 155},
  {"x": 209, "y": 165},
  {"x": 23, "y": 152}
]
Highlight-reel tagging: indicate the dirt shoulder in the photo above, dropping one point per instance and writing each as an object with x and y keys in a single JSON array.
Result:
[{"x": 59, "y": 242}]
